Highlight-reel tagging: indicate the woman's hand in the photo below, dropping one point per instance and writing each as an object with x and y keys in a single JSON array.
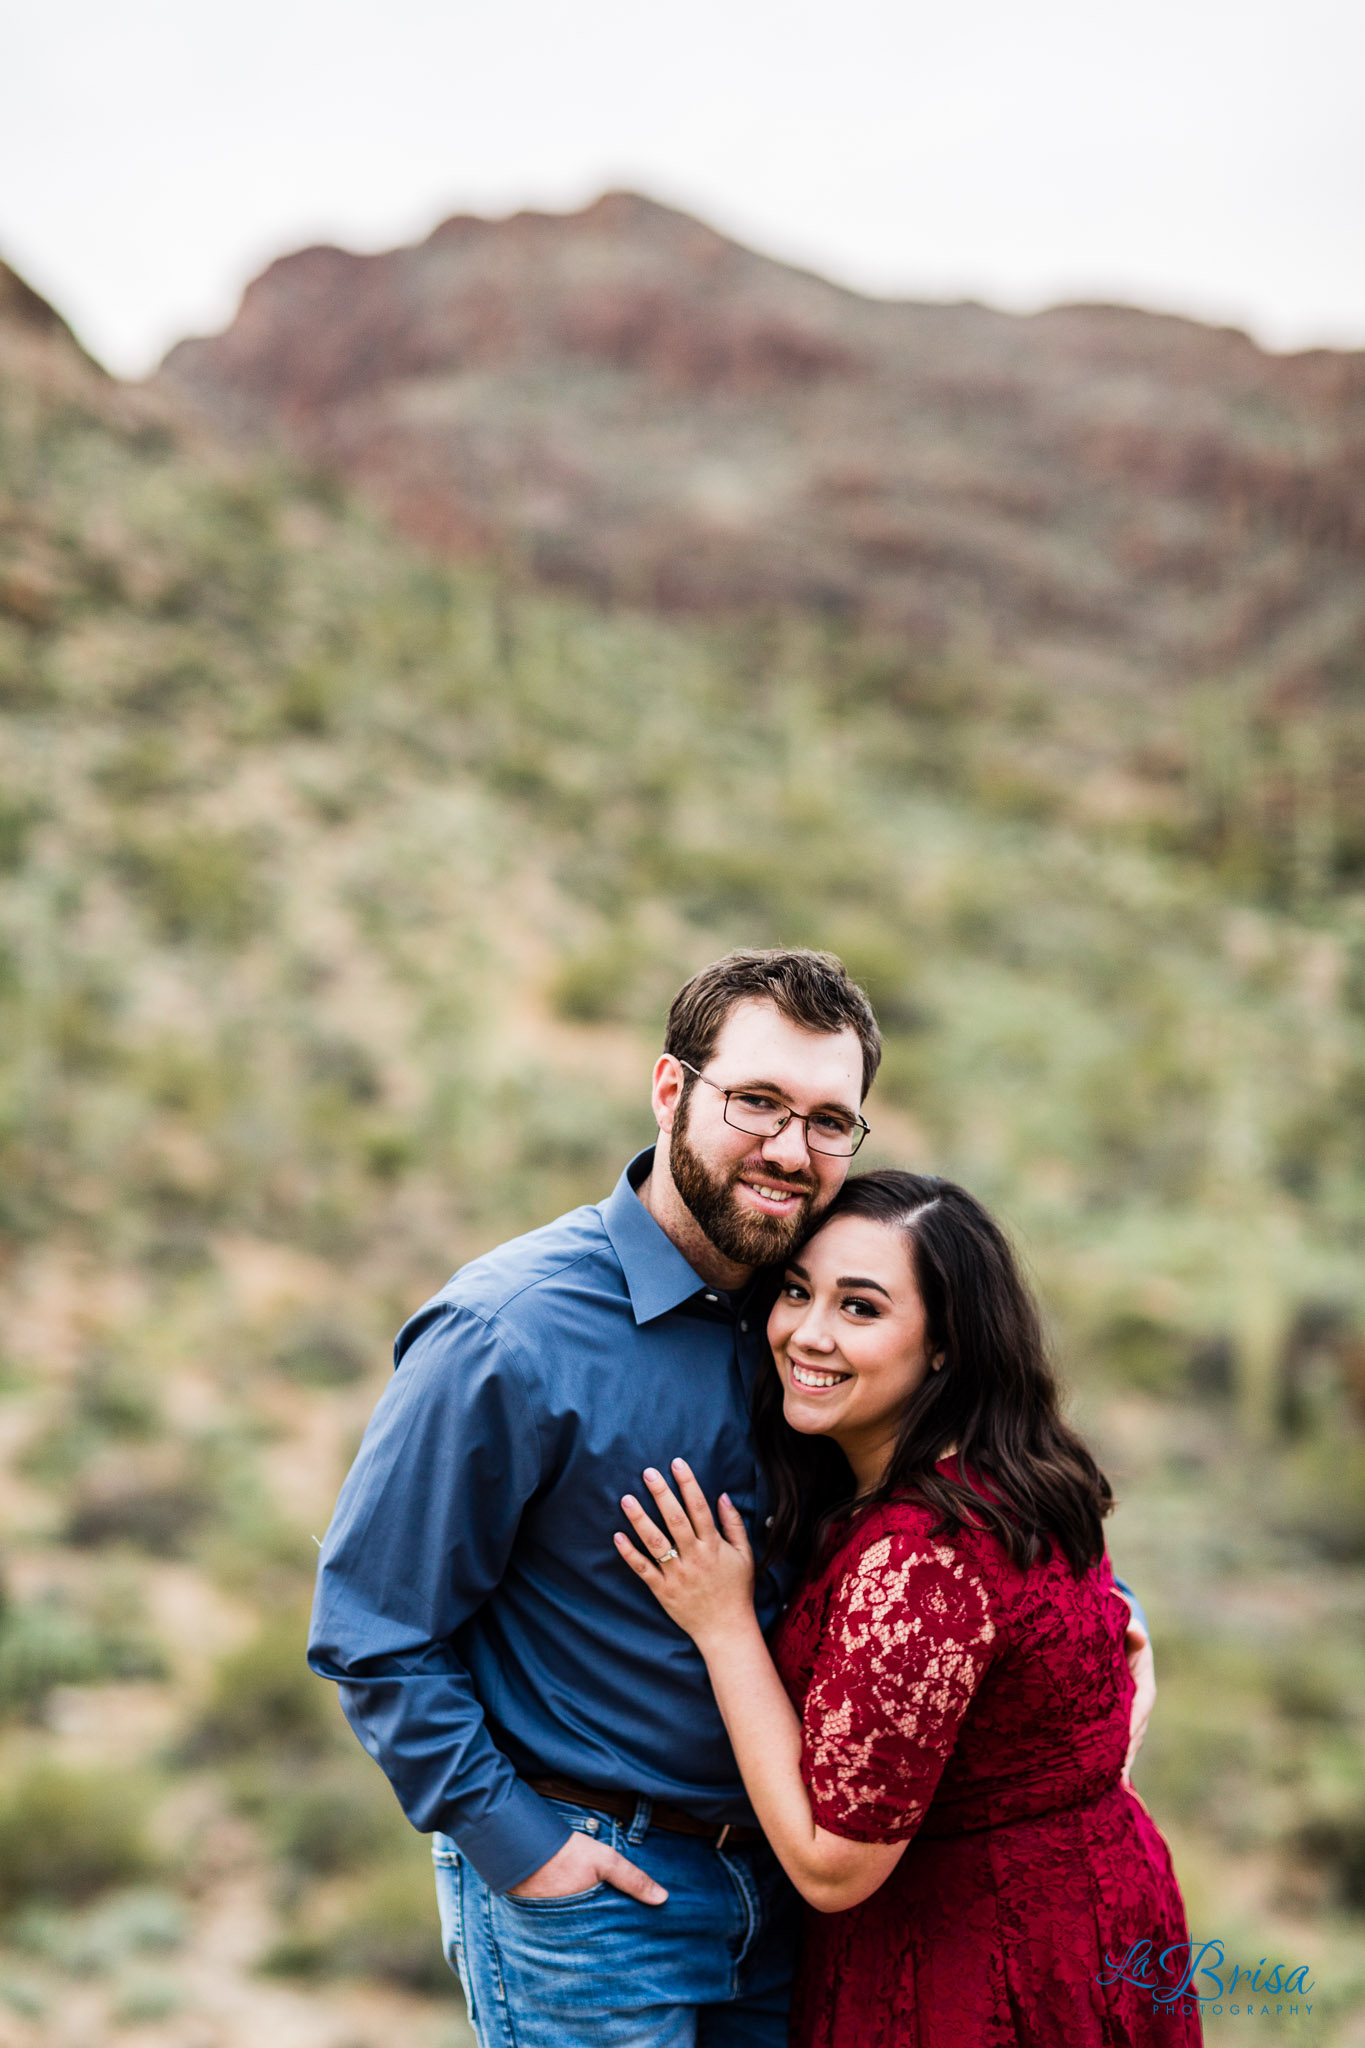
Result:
[
  {"x": 708, "y": 1588},
  {"x": 701, "y": 1575}
]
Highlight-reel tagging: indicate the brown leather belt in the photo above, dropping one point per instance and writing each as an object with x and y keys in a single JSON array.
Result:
[{"x": 621, "y": 1806}]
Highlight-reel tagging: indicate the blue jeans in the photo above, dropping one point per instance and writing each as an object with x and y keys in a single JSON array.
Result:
[{"x": 711, "y": 1968}]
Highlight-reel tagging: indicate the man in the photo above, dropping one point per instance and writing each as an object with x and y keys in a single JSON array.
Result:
[{"x": 600, "y": 1877}]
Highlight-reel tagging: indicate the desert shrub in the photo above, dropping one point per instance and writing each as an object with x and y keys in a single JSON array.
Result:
[
  {"x": 309, "y": 698},
  {"x": 388, "y": 1930},
  {"x": 389, "y": 1151},
  {"x": 1202, "y": 1753},
  {"x": 41, "y": 1646},
  {"x": 108, "y": 1401},
  {"x": 1189, "y": 1770},
  {"x": 264, "y": 1697},
  {"x": 393, "y": 1931},
  {"x": 1320, "y": 1497},
  {"x": 161, "y": 689},
  {"x": 343, "y": 1067},
  {"x": 90, "y": 1941},
  {"x": 559, "y": 1143},
  {"x": 147, "y": 765},
  {"x": 762, "y": 891},
  {"x": 322, "y": 1354},
  {"x": 594, "y": 986},
  {"x": 17, "y": 820},
  {"x": 907, "y": 1079},
  {"x": 1009, "y": 788},
  {"x": 157, "y": 1501},
  {"x": 177, "y": 1246},
  {"x": 79, "y": 1024},
  {"x": 145, "y": 1999},
  {"x": 566, "y": 1129},
  {"x": 1335, "y": 1844},
  {"x": 24, "y": 682},
  {"x": 180, "y": 1075},
  {"x": 885, "y": 966},
  {"x": 340, "y": 1818},
  {"x": 23, "y": 1999},
  {"x": 159, "y": 1517},
  {"x": 1306, "y": 1689},
  {"x": 66, "y": 1834},
  {"x": 1142, "y": 1352},
  {"x": 114, "y": 1397},
  {"x": 50, "y": 1642},
  {"x": 196, "y": 884}
]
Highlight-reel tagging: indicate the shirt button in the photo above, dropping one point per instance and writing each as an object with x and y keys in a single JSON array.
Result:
[
  {"x": 745, "y": 1328},
  {"x": 713, "y": 1297}
]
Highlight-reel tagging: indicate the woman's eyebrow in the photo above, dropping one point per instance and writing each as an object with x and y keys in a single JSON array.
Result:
[{"x": 860, "y": 1280}]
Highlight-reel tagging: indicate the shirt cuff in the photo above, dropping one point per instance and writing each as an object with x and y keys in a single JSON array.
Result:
[
  {"x": 1138, "y": 1610},
  {"x": 506, "y": 1847}
]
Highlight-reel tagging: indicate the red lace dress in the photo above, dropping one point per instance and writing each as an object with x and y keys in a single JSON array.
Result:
[{"x": 979, "y": 1713}]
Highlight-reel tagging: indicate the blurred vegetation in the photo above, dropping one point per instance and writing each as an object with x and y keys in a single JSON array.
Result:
[
  {"x": 67, "y": 1834},
  {"x": 265, "y": 1700},
  {"x": 341, "y": 898},
  {"x": 55, "y": 1640}
]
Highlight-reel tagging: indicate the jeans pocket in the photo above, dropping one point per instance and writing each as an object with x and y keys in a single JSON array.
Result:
[
  {"x": 556, "y": 1903},
  {"x": 449, "y": 1868},
  {"x": 599, "y": 1828}
]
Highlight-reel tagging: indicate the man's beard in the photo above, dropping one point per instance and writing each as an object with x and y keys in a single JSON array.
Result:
[{"x": 743, "y": 1235}]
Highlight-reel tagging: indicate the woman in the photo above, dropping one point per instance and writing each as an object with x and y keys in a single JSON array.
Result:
[{"x": 935, "y": 1748}]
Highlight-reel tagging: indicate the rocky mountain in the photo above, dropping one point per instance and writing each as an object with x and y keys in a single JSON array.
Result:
[
  {"x": 22, "y": 309},
  {"x": 626, "y": 402}
]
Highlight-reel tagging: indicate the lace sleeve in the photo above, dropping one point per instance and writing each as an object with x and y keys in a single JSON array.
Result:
[{"x": 908, "y": 1635}]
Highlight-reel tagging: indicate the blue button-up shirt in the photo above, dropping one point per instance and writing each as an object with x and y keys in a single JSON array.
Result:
[{"x": 470, "y": 1603}]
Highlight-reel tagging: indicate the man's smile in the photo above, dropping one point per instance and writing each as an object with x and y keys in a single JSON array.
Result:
[{"x": 774, "y": 1198}]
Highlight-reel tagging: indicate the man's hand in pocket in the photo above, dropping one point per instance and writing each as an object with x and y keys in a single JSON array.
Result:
[{"x": 583, "y": 1863}]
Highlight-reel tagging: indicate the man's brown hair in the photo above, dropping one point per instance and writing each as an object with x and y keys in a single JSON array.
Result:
[{"x": 813, "y": 990}]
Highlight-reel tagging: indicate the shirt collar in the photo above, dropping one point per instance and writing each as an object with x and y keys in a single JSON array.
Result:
[{"x": 658, "y": 1277}]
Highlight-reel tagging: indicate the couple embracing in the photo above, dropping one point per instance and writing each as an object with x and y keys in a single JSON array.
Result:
[{"x": 721, "y": 1547}]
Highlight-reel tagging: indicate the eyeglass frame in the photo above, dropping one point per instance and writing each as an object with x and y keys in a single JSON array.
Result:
[{"x": 861, "y": 1126}]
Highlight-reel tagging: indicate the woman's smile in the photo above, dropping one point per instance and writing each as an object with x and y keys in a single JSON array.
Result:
[{"x": 816, "y": 1379}]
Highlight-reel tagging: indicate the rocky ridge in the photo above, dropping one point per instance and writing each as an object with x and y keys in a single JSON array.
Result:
[{"x": 624, "y": 401}]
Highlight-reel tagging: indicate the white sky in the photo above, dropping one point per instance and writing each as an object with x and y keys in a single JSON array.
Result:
[{"x": 1201, "y": 155}]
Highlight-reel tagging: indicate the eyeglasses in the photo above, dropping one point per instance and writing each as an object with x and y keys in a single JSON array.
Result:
[{"x": 748, "y": 1109}]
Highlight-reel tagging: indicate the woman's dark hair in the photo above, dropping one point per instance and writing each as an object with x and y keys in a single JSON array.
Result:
[{"x": 995, "y": 1398}]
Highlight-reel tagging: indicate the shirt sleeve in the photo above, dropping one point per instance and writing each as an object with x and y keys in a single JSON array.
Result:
[
  {"x": 1135, "y": 1606},
  {"x": 907, "y": 1639},
  {"x": 420, "y": 1537}
]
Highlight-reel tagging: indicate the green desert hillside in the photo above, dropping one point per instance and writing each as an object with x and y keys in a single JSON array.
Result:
[{"x": 341, "y": 894}]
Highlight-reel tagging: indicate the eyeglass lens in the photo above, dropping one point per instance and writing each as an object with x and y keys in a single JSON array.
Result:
[{"x": 826, "y": 1136}]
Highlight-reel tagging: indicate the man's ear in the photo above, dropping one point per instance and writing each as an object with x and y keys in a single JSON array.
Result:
[{"x": 666, "y": 1092}]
